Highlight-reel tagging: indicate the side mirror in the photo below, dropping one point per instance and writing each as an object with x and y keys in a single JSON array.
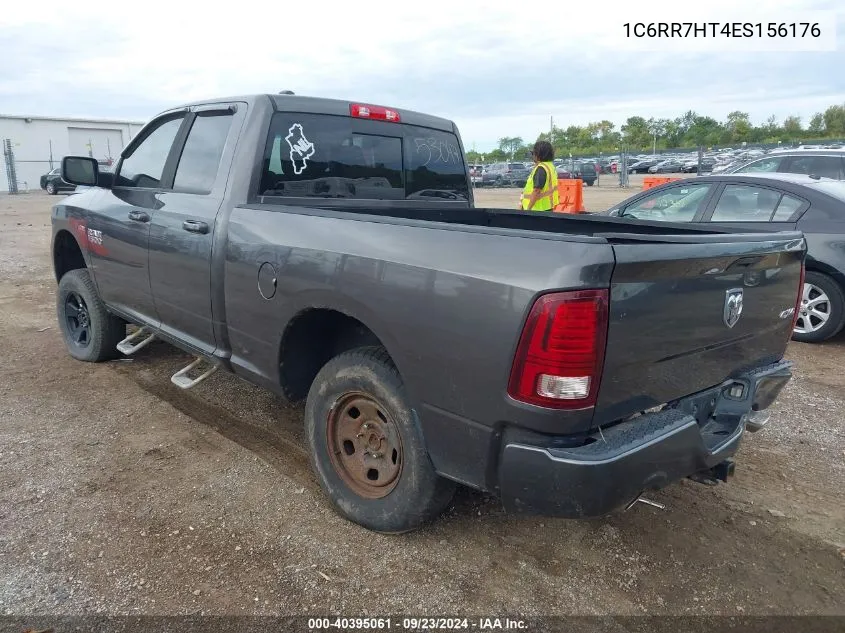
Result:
[{"x": 80, "y": 170}]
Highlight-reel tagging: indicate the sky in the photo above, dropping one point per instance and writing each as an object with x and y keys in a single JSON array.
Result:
[{"x": 498, "y": 68}]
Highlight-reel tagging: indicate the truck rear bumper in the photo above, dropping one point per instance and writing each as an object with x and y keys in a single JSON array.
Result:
[{"x": 539, "y": 476}]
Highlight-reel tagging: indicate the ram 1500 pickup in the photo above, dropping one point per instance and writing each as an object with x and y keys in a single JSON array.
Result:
[{"x": 331, "y": 251}]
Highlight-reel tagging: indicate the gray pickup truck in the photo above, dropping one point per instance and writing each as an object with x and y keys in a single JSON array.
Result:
[{"x": 331, "y": 251}]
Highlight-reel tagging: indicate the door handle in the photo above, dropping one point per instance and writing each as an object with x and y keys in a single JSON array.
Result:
[
  {"x": 139, "y": 216},
  {"x": 195, "y": 226}
]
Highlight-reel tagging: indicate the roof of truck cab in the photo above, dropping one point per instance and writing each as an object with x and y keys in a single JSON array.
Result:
[{"x": 320, "y": 105}]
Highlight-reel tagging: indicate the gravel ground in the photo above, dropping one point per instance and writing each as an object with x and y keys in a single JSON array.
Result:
[{"x": 121, "y": 494}]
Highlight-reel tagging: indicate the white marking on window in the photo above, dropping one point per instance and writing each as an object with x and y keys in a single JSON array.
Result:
[{"x": 301, "y": 149}]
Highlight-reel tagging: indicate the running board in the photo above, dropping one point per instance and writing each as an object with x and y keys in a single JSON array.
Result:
[
  {"x": 128, "y": 346},
  {"x": 183, "y": 381}
]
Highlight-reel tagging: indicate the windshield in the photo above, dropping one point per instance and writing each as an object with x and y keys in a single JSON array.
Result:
[{"x": 517, "y": 166}]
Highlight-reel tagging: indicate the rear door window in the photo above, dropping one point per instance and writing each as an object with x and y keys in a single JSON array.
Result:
[
  {"x": 825, "y": 166},
  {"x": 200, "y": 159},
  {"x": 745, "y": 203},
  {"x": 788, "y": 205}
]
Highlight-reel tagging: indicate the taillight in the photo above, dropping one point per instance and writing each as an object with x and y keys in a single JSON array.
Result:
[
  {"x": 378, "y": 113},
  {"x": 560, "y": 354},
  {"x": 798, "y": 299}
]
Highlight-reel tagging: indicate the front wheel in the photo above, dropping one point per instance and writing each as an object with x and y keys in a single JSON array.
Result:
[
  {"x": 366, "y": 445},
  {"x": 90, "y": 332},
  {"x": 821, "y": 313}
]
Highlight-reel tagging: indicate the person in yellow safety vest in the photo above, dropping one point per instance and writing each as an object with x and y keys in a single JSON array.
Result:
[{"x": 540, "y": 192}]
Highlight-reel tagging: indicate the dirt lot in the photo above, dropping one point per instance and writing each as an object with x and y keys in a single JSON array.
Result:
[{"x": 121, "y": 494}]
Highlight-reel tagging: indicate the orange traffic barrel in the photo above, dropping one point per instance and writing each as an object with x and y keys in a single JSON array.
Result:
[
  {"x": 654, "y": 181},
  {"x": 571, "y": 194}
]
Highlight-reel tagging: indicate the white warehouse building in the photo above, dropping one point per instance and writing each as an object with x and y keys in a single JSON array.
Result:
[{"x": 38, "y": 144}]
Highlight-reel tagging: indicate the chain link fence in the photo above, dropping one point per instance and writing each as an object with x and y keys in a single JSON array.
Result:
[{"x": 26, "y": 169}]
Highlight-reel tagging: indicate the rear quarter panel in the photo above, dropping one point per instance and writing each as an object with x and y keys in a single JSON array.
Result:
[
  {"x": 824, "y": 228},
  {"x": 447, "y": 303}
]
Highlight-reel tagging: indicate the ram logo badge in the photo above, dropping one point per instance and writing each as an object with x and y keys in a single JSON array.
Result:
[{"x": 733, "y": 306}]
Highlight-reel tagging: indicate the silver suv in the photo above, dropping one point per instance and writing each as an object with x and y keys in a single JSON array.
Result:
[
  {"x": 506, "y": 174},
  {"x": 827, "y": 163}
]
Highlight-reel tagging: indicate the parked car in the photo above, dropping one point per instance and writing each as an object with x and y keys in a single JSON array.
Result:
[
  {"x": 579, "y": 170},
  {"x": 475, "y": 175},
  {"x": 827, "y": 163},
  {"x": 586, "y": 171},
  {"x": 768, "y": 202},
  {"x": 52, "y": 182},
  {"x": 641, "y": 166},
  {"x": 565, "y": 172},
  {"x": 725, "y": 167},
  {"x": 564, "y": 363},
  {"x": 669, "y": 166},
  {"x": 505, "y": 174},
  {"x": 691, "y": 166}
]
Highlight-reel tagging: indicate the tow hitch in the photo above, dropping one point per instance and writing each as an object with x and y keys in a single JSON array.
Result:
[{"x": 720, "y": 472}]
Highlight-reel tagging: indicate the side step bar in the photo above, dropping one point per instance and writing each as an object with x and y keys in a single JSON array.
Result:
[
  {"x": 128, "y": 345},
  {"x": 182, "y": 380}
]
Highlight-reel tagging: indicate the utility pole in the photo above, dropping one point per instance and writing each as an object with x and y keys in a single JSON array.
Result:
[{"x": 551, "y": 130}]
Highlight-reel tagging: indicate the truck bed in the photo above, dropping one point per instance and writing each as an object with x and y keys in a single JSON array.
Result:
[{"x": 587, "y": 225}]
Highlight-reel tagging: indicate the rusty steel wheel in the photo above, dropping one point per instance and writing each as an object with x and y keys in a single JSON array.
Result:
[
  {"x": 367, "y": 446},
  {"x": 364, "y": 445}
]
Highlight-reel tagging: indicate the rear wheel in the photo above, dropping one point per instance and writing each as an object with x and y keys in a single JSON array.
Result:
[
  {"x": 90, "y": 332},
  {"x": 51, "y": 188},
  {"x": 821, "y": 313},
  {"x": 366, "y": 445}
]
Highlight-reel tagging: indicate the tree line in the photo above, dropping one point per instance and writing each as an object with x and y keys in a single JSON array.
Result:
[{"x": 687, "y": 131}]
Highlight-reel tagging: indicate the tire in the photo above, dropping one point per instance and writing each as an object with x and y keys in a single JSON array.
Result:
[
  {"x": 405, "y": 492},
  {"x": 590, "y": 182},
  {"x": 809, "y": 328},
  {"x": 499, "y": 182},
  {"x": 51, "y": 189},
  {"x": 91, "y": 334}
]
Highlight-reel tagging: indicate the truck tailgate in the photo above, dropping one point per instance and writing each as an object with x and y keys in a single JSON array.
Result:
[{"x": 674, "y": 325}]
